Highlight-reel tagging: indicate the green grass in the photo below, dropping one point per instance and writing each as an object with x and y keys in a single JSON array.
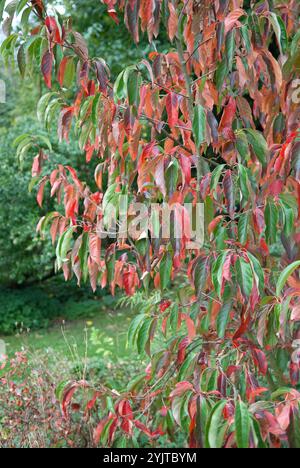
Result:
[{"x": 104, "y": 335}]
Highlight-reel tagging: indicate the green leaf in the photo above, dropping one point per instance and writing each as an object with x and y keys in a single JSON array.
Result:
[
  {"x": 259, "y": 145},
  {"x": 244, "y": 183},
  {"x": 285, "y": 276},
  {"x": 199, "y": 125},
  {"x": 200, "y": 274},
  {"x": 294, "y": 428},
  {"x": 120, "y": 90},
  {"x": 280, "y": 393},
  {"x": 271, "y": 219},
  {"x": 280, "y": 31},
  {"x": 242, "y": 425},
  {"x": 63, "y": 246},
  {"x": 11, "y": 7},
  {"x": 83, "y": 254},
  {"x": 25, "y": 20},
  {"x": 46, "y": 140},
  {"x": 134, "y": 82},
  {"x": 110, "y": 205},
  {"x": 143, "y": 336},
  {"x": 216, "y": 427},
  {"x": 230, "y": 48},
  {"x": 244, "y": 276},
  {"x": 244, "y": 30},
  {"x": 217, "y": 272},
  {"x": 221, "y": 73},
  {"x": 70, "y": 72},
  {"x": 165, "y": 271},
  {"x": 258, "y": 272},
  {"x": 223, "y": 319},
  {"x": 21, "y": 5},
  {"x": 42, "y": 106},
  {"x": 2, "y": 5},
  {"x": 21, "y": 58},
  {"x": 171, "y": 177},
  {"x": 215, "y": 177},
  {"x": 288, "y": 218},
  {"x": 134, "y": 328},
  {"x": 243, "y": 228}
]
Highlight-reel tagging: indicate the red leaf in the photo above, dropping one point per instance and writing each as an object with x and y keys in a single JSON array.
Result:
[
  {"x": 164, "y": 305},
  {"x": 191, "y": 327},
  {"x": 68, "y": 394},
  {"x": 95, "y": 248},
  {"x": 181, "y": 388},
  {"x": 212, "y": 226},
  {"x": 294, "y": 373},
  {"x": 99, "y": 429},
  {"x": 228, "y": 115},
  {"x": 172, "y": 22},
  {"x": 172, "y": 105},
  {"x": 61, "y": 70},
  {"x": 40, "y": 194},
  {"x": 64, "y": 123},
  {"x": 47, "y": 65},
  {"x": 260, "y": 360},
  {"x": 147, "y": 431},
  {"x": 182, "y": 350}
]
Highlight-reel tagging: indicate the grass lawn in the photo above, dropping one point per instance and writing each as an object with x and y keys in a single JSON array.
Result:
[{"x": 104, "y": 335}]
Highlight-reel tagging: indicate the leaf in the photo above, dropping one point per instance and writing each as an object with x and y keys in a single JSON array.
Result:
[
  {"x": 134, "y": 82},
  {"x": 199, "y": 126},
  {"x": 134, "y": 328},
  {"x": 244, "y": 277},
  {"x": 216, "y": 427},
  {"x": 42, "y": 106},
  {"x": 271, "y": 219},
  {"x": 223, "y": 318},
  {"x": 120, "y": 88},
  {"x": 144, "y": 334},
  {"x": 63, "y": 246},
  {"x": 21, "y": 57},
  {"x": 215, "y": 176},
  {"x": 47, "y": 65},
  {"x": 229, "y": 193},
  {"x": 172, "y": 106},
  {"x": 200, "y": 275},
  {"x": 280, "y": 31},
  {"x": 294, "y": 428},
  {"x": 230, "y": 48},
  {"x": 242, "y": 425},
  {"x": 288, "y": 218},
  {"x": 217, "y": 272},
  {"x": 165, "y": 271},
  {"x": 171, "y": 177},
  {"x": 244, "y": 183},
  {"x": 285, "y": 275},
  {"x": 243, "y": 228},
  {"x": 259, "y": 273},
  {"x": 259, "y": 145},
  {"x": 221, "y": 74},
  {"x": 172, "y": 22}
]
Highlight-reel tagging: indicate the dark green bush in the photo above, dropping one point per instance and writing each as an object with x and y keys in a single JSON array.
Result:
[{"x": 38, "y": 306}]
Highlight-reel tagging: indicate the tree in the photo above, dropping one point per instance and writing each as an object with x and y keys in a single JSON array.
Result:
[{"x": 213, "y": 121}]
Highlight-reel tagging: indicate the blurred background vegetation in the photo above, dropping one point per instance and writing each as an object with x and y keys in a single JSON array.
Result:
[{"x": 31, "y": 297}]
